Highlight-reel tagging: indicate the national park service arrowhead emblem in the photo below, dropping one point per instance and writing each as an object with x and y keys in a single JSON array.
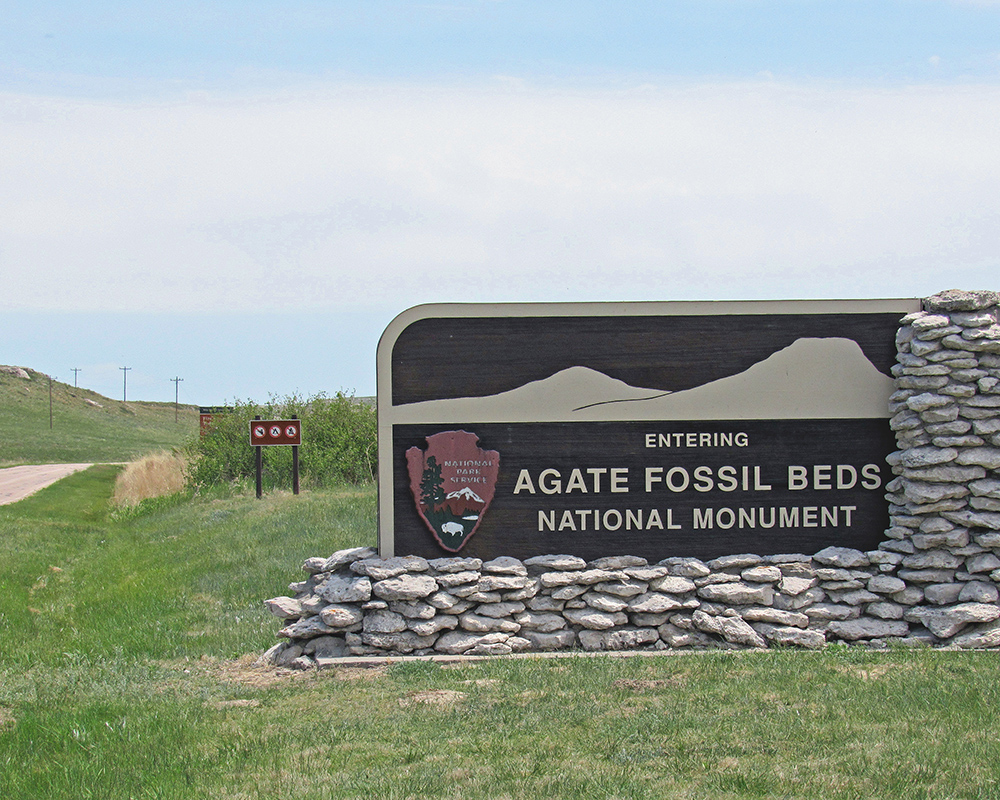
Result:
[{"x": 453, "y": 482}]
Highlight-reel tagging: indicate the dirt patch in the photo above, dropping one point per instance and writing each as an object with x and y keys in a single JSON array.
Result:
[
  {"x": 873, "y": 673},
  {"x": 637, "y": 685},
  {"x": 6, "y": 719},
  {"x": 440, "y": 698},
  {"x": 221, "y": 705},
  {"x": 245, "y": 671},
  {"x": 869, "y": 673},
  {"x": 250, "y": 672},
  {"x": 357, "y": 673}
]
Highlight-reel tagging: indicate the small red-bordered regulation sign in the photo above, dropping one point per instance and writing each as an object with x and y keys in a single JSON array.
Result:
[{"x": 275, "y": 431}]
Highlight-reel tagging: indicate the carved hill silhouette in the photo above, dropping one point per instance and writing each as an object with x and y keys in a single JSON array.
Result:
[{"x": 812, "y": 378}]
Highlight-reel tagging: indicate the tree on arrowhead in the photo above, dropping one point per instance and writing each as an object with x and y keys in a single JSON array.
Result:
[{"x": 431, "y": 485}]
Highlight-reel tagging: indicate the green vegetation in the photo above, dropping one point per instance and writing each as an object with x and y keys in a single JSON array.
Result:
[
  {"x": 338, "y": 444},
  {"x": 86, "y": 426},
  {"x": 127, "y": 648},
  {"x": 163, "y": 580}
]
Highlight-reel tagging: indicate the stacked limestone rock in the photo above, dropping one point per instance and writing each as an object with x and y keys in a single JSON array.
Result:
[
  {"x": 945, "y": 502},
  {"x": 934, "y": 580},
  {"x": 355, "y": 603}
]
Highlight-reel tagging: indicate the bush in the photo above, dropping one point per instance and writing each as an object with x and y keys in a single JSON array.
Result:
[{"x": 338, "y": 444}]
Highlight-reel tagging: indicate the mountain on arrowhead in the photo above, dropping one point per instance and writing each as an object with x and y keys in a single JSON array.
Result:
[{"x": 464, "y": 493}]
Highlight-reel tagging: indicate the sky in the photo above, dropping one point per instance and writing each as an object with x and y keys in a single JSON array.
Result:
[{"x": 244, "y": 194}]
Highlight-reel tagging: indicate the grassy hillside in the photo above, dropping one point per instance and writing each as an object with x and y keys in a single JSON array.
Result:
[{"x": 86, "y": 426}]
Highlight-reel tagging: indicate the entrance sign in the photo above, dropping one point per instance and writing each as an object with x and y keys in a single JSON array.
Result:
[{"x": 648, "y": 429}]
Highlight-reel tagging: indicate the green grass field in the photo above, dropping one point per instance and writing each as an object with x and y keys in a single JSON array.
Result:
[
  {"x": 127, "y": 647},
  {"x": 86, "y": 426}
]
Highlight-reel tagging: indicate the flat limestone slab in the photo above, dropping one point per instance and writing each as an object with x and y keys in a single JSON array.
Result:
[
  {"x": 441, "y": 658},
  {"x": 16, "y": 483}
]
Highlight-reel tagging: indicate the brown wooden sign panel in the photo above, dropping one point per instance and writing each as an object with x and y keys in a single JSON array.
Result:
[
  {"x": 656, "y": 430},
  {"x": 268, "y": 432},
  {"x": 205, "y": 416}
]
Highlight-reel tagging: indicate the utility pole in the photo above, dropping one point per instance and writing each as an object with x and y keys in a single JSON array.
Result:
[
  {"x": 177, "y": 386},
  {"x": 124, "y": 383},
  {"x": 75, "y": 371},
  {"x": 50, "y": 402}
]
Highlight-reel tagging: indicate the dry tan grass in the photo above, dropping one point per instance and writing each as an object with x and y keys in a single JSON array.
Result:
[
  {"x": 222, "y": 705},
  {"x": 441, "y": 698},
  {"x": 155, "y": 475}
]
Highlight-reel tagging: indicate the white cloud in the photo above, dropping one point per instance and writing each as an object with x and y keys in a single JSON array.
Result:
[{"x": 396, "y": 195}]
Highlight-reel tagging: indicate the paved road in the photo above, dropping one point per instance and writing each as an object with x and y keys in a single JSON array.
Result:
[{"x": 16, "y": 483}]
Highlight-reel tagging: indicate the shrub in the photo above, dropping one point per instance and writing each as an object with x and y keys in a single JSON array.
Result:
[{"x": 338, "y": 443}]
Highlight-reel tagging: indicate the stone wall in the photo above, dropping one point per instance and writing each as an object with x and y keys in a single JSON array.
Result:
[{"x": 932, "y": 581}]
